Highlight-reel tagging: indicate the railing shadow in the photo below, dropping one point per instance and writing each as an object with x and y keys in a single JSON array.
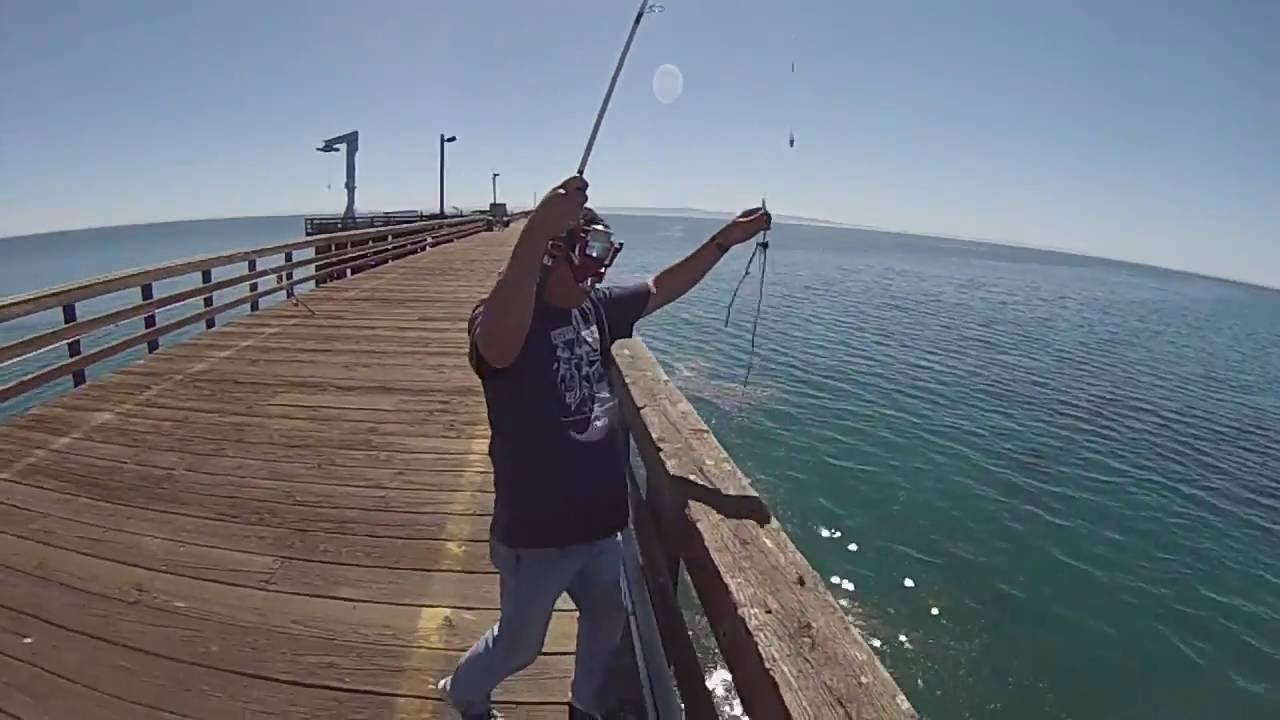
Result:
[{"x": 734, "y": 507}]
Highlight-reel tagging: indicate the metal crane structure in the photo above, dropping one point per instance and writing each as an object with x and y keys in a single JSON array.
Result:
[{"x": 352, "y": 141}]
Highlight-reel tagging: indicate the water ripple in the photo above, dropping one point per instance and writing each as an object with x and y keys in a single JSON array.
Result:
[{"x": 1085, "y": 456}]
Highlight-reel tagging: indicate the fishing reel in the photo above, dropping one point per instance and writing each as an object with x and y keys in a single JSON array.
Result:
[
  {"x": 590, "y": 251},
  {"x": 594, "y": 254}
]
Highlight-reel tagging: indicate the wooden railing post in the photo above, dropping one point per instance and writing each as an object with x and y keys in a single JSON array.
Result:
[
  {"x": 677, "y": 644},
  {"x": 73, "y": 345},
  {"x": 253, "y": 286},
  {"x": 321, "y": 250},
  {"x": 288, "y": 276},
  {"x": 149, "y": 320},
  {"x": 206, "y": 278}
]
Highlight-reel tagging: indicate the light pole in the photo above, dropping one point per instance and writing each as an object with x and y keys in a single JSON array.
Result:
[
  {"x": 494, "y": 178},
  {"x": 443, "y": 140}
]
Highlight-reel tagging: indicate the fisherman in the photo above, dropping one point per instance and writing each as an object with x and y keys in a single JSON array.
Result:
[{"x": 540, "y": 343}]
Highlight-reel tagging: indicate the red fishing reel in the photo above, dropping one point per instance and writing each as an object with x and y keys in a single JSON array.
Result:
[
  {"x": 589, "y": 250},
  {"x": 593, "y": 253}
]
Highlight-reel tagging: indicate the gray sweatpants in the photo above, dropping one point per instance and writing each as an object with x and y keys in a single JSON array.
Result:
[{"x": 531, "y": 582}]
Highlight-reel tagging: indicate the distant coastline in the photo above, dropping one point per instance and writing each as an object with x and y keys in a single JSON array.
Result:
[
  {"x": 700, "y": 214},
  {"x": 696, "y": 213}
]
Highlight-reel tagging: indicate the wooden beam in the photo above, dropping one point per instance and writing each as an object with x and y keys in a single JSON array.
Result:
[
  {"x": 789, "y": 646},
  {"x": 683, "y": 657}
]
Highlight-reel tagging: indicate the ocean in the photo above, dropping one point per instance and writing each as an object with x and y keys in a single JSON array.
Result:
[{"x": 1051, "y": 482}]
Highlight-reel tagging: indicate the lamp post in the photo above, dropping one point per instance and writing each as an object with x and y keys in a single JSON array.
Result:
[
  {"x": 443, "y": 140},
  {"x": 494, "y": 178}
]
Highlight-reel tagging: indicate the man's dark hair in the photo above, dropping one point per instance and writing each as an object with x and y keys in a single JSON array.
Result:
[{"x": 591, "y": 217}]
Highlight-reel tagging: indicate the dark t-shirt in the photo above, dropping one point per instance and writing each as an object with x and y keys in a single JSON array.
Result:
[{"x": 557, "y": 438}]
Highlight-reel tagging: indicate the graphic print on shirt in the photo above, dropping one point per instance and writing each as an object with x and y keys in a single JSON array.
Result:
[{"x": 580, "y": 376}]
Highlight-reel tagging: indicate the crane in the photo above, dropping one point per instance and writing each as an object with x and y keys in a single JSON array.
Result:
[{"x": 352, "y": 141}]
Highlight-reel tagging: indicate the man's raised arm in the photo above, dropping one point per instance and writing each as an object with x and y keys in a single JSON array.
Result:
[
  {"x": 499, "y": 331},
  {"x": 680, "y": 278}
]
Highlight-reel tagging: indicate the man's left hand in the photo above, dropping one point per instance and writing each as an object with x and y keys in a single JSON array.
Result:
[{"x": 745, "y": 226}]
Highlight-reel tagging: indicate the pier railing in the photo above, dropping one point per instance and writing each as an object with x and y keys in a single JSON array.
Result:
[
  {"x": 358, "y": 250},
  {"x": 788, "y": 645}
]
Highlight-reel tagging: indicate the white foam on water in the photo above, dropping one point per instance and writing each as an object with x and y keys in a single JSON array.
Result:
[
  {"x": 836, "y": 533},
  {"x": 835, "y": 579},
  {"x": 934, "y": 611},
  {"x": 723, "y": 693},
  {"x": 908, "y": 582},
  {"x": 846, "y": 585},
  {"x": 824, "y": 532},
  {"x": 845, "y": 602},
  {"x": 851, "y": 547},
  {"x": 902, "y": 638},
  {"x": 875, "y": 642},
  {"x": 694, "y": 378}
]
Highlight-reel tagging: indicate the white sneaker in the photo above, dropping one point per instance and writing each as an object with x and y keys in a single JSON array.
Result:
[{"x": 443, "y": 687}]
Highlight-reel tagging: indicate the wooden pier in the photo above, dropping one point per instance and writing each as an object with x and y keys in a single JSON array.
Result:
[{"x": 287, "y": 515}]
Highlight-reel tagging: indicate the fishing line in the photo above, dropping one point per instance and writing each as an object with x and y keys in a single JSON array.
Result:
[{"x": 761, "y": 249}]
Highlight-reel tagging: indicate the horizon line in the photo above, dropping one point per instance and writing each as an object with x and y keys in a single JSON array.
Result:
[{"x": 719, "y": 214}]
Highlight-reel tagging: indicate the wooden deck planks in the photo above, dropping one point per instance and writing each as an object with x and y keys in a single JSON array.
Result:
[{"x": 286, "y": 516}]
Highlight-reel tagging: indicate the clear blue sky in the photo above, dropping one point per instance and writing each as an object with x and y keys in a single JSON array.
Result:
[{"x": 1141, "y": 130}]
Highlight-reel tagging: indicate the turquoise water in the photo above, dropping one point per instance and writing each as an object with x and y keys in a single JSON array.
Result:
[{"x": 1077, "y": 462}]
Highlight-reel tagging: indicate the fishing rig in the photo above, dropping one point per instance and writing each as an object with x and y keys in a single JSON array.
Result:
[{"x": 761, "y": 248}]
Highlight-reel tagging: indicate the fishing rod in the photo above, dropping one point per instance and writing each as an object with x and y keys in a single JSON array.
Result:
[{"x": 646, "y": 8}]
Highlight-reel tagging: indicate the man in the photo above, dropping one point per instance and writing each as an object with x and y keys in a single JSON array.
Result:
[{"x": 540, "y": 344}]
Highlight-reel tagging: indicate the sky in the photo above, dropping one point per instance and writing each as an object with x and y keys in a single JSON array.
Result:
[{"x": 1145, "y": 131}]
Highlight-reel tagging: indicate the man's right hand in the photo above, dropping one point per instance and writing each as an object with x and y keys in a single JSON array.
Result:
[
  {"x": 560, "y": 209},
  {"x": 499, "y": 330}
]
